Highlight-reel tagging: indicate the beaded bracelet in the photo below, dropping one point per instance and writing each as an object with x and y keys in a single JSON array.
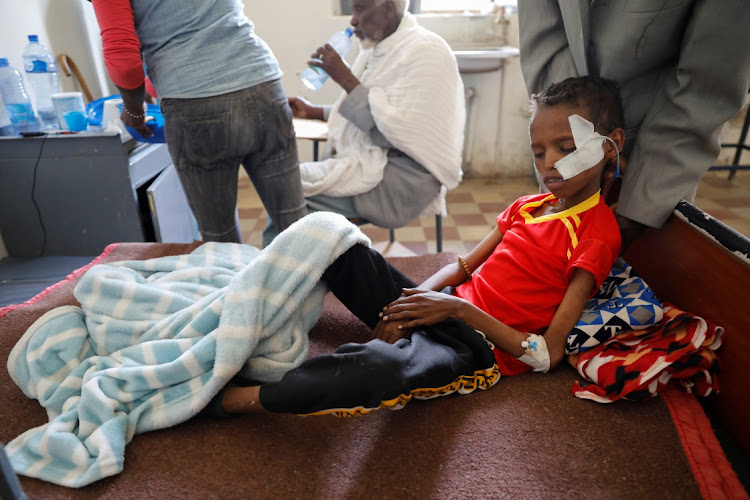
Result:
[
  {"x": 465, "y": 267},
  {"x": 132, "y": 115}
]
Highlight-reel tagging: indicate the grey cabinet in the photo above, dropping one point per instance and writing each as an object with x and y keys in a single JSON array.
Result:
[
  {"x": 170, "y": 213},
  {"x": 75, "y": 194}
]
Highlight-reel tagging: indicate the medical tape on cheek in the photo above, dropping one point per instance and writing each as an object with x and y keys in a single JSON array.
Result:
[{"x": 589, "y": 151}]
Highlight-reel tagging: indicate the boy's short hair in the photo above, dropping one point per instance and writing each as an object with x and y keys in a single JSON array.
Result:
[{"x": 600, "y": 96}]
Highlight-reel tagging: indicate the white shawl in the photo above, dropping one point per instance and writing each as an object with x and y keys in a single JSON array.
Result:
[{"x": 417, "y": 101}]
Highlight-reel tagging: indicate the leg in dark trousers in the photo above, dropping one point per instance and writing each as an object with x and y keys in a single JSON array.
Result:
[
  {"x": 437, "y": 360},
  {"x": 365, "y": 282}
]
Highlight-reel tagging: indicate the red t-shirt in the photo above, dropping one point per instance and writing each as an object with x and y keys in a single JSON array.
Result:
[{"x": 524, "y": 280}]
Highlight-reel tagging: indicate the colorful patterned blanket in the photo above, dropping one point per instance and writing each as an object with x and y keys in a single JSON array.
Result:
[
  {"x": 636, "y": 364},
  {"x": 154, "y": 341}
]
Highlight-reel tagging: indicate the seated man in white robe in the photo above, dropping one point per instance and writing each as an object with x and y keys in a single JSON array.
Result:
[{"x": 396, "y": 133}]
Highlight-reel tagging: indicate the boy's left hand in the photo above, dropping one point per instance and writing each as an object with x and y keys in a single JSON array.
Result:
[
  {"x": 389, "y": 331},
  {"x": 421, "y": 308}
]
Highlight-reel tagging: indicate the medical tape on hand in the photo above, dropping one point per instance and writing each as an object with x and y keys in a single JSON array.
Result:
[
  {"x": 589, "y": 151},
  {"x": 536, "y": 355}
]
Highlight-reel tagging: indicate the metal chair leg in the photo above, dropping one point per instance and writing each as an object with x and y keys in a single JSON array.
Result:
[
  {"x": 741, "y": 146},
  {"x": 392, "y": 232},
  {"x": 439, "y": 232}
]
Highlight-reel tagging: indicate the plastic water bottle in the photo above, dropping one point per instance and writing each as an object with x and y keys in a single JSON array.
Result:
[
  {"x": 314, "y": 77},
  {"x": 16, "y": 99},
  {"x": 41, "y": 73},
  {"x": 6, "y": 128}
]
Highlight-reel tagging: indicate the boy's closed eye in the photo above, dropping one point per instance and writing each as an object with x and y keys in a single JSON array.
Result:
[{"x": 564, "y": 150}]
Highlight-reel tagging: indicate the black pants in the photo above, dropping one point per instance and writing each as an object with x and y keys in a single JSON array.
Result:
[{"x": 438, "y": 360}]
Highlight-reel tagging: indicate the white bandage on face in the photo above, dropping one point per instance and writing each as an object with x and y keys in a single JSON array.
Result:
[{"x": 589, "y": 150}]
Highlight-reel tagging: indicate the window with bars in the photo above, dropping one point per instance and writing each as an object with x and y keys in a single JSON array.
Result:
[
  {"x": 346, "y": 7},
  {"x": 439, "y": 6},
  {"x": 454, "y": 6}
]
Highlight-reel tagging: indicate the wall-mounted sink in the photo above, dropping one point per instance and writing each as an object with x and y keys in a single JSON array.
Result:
[{"x": 482, "y": 59}]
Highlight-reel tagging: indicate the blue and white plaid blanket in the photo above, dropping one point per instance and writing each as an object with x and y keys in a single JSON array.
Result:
[{"x": 154, "y": 341}]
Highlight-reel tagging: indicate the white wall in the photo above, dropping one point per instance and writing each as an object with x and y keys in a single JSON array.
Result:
[
  {"x": 499, "y": 142},
  {"x": 65, "y": 26}
]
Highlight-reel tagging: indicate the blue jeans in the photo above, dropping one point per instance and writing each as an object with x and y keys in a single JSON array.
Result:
[{"x": 208, "y": 138}]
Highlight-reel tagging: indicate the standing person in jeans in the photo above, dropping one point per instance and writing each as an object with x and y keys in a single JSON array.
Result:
[{"x": 223, "y": 103}]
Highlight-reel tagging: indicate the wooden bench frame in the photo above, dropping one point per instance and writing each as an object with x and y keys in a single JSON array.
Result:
[{"x": 703, "y": 266}]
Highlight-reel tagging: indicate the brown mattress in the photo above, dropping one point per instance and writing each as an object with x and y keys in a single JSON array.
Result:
[{"x": 527, "y": 437}]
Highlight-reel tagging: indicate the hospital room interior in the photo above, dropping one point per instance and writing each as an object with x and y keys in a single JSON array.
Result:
[{"x": 71, "y": 194}]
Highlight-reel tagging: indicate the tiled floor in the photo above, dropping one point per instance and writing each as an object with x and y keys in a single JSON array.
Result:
[
  {"x": 727, "y": 201},
  {"x": 473, "y": 206}
]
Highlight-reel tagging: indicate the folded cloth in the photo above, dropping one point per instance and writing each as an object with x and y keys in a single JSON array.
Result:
[
  {"x": 154, "y": 341},
  {"x": 623, "y": 302},
  {"x": 636, "y": 364}
]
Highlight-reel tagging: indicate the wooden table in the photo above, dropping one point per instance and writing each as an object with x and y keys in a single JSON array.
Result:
[{"x": 312, "y": 130}]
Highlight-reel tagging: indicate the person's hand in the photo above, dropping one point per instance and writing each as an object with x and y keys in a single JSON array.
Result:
[
  {"x": 422, "y": 308},
  {"x": 330, "y": 61},
  {"x": 389, "y": 331},
  {"x": 629, "y": 231},
  {"x": 301, "y": 108},
  {"x": 138, "y": 123}
]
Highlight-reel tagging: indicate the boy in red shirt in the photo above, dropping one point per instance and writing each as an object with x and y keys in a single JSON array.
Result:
[{"x": 541, "y": 264}]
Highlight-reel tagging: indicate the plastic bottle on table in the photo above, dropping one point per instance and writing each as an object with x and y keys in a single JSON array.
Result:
[
  {"x": 16, "y": 99},
  {"x": 6, "y": 128},
  {"x": 41, "y": 73},
  {"x": 314, "y": 77}
]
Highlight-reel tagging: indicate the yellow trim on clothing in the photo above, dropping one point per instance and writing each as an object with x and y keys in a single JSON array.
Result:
[
  {"x": 568, "y": 217},
  {"x": 465, "y": 384},
  {"x": 591, "y": 202},
  {"x": 573, "y": 233}
]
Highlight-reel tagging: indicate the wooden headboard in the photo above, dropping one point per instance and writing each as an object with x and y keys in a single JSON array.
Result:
[{"x": 702, "y": 266}]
